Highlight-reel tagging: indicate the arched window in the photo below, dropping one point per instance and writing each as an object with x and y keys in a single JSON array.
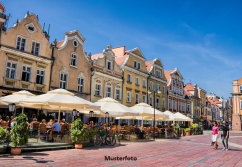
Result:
[
  {"x": 81, "y": 82},
  {"x": 118, "y": 92},
  {"x": 108, "y": 89},
  {"x": 64, "y": 78},
  {"x": 98, "y": 87}
]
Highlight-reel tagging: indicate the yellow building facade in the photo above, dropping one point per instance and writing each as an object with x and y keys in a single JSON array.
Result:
[
  {"x": 157, "y": 82},
  {"x": 134, "y": 73}
]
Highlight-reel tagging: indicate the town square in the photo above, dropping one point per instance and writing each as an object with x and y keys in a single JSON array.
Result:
[{"x": 120, "y": 83}]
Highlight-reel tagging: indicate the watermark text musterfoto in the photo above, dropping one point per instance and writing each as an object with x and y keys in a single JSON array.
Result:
[{"x": 118, "y": 158}]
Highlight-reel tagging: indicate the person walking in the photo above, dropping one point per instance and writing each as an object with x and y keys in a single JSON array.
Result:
[
  {"x": 215, "y": 134},
  {"x": 225, "y": 136}
]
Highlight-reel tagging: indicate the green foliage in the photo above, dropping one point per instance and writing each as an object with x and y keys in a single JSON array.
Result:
[
  {"x": 90, "y": 133},
  {"x": 4, "y": 135},
  {"x": 77, "y": 131},
  {"x": 19, "y": 132},
  {"x": 187, "y": 130},
  {"x": 194, "y": 125}
]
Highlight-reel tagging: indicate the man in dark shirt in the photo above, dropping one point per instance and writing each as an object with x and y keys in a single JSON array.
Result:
[{"x": 225, "y": 136}]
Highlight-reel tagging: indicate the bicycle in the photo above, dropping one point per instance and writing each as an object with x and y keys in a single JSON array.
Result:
[{"x": 107, "y": 138}]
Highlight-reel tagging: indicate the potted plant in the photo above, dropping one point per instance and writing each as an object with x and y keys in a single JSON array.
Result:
[
  {"x": 19, "y": 134},
  {"x": 187, "y": 130},
  {"x": 4, "y": 135},
  {"x": 77, "y": 132}
]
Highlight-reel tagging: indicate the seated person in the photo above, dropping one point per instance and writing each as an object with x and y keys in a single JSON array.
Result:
[
  {"x": 55, "y": 129},
  {"x": 63, "y": 121},
  {"x": 32, "y": 123},
  {"x": 1, "y": 119},
  {"x": 43, "y": 121},
  {"x": 7, "y": 118},
  {"x": 141, "y": 132},
  {"x": 12, "y": 118},
  {"x": 50, "y": 123},
  {"x": 97, "y": 125}
]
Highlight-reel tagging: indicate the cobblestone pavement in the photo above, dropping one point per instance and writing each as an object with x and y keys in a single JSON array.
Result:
[{"x": 186, "y": 151}]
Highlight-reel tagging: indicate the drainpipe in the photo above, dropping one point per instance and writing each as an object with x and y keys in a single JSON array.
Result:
[
  {"x": 53, "y": 62},
  {"x": 122, "y": 89},
  {"x": 147, "y": 96},
  {"x": 92, "y": 73}
]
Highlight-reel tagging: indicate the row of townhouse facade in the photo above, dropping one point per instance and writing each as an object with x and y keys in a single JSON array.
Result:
[{"x": 30, "y": 62}]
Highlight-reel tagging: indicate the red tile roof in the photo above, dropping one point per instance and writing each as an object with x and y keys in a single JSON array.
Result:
[
  {"x": 97, "y": 56},
  {"x": 188, "y": 93},
  {"x": 148, "y": 65},
  {"x": 59, "y": 43},
  {"x": 120, "y": 59},
  {"x": 168, "y": 75},
  {"x": 189, "y": 86}
]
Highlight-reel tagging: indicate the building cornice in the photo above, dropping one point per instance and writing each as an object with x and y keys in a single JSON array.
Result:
[
  {"x": 158, "y": 79},
  {"x": 25, "y": 55},
  {"x": 135, "y": 71},
  {"x": 108, "y": 75}
]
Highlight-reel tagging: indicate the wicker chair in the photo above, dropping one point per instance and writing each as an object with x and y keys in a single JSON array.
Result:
[{"x": 42, "y": 132}]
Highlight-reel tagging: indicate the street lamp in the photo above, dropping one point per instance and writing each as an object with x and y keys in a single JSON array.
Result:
[
  {"x": 11, "y": 107},
  {"x": 91, "y": 113},
  {"x": 106, "y": 116},
  {"x": 149, "y": 92},
  {"x": 74, "y": 112}
]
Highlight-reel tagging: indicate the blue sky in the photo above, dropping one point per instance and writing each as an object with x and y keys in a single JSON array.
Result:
[{"x": 202, "y": 39}]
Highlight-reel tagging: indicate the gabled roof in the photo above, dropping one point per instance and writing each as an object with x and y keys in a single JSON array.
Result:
[
  {"x": 148, "y": 65},
  {"x": 168, "y": 75},
  {"x": 120, "y": 59},
  {"x": 98, "y": 55},
  {"x": 59, "y": 43},
  {"x": 188, "y": 93},
  {"x": 189, "y": 86}
]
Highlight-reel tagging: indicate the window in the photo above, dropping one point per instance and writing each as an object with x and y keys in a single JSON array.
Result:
[
  {"x": 157, "y": 87},
  {"x": 80, "y": 85},
  {"x": 158, "y": 73},
  {"x": 73, "y": 59},
  {"x": 144, "y": 83},
  {"x": 174, "y": 90},
  {"x": 157, "y": 102},
  {"x": 188, "y": 107},
  {"x": 179, "y": 106},
  {"x": 163, "y": 89},
  {"x": 137, "y": 80},
  {"x": 177, "y": 90},
  {"x": 240, "y": 88},
  {"x": 63, "y": 81},
  {"x": 63, "y": 78},
  {"x": 174, "y": 104},
  {"x": 183, "y": 107},
  {"x": 137, "y": 65},
  {"x": 241, "y": 104},
  {"x": 144, "y": 98},
  {"x": 108, "y": 90},
  {"x": 128, "y": 97},
  {"x": 98, "y": 88},
  {"x": 35, "y": 48},
  {"x": 163, "y": 103},
  {"x": 151, "y": 85},
  {"x": 40, "y": 75},
  {"x": 151, "y": 101},
  {"x": 109, "y": 65},
  {"x": 136, "y": 98},
  {"x": 117, "y": 92},
  {"x": 180, "y": 91},
  {"x": 129, "y": 78},
  {"x": 11, "y": 70},
  {"x": 21, "y": 43},
  {"x": 169, "y": 104},
  {"x": 26, "y": 73}
]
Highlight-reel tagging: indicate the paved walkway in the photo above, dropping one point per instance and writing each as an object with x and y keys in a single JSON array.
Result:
[{"x": 186, "y": 151}]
